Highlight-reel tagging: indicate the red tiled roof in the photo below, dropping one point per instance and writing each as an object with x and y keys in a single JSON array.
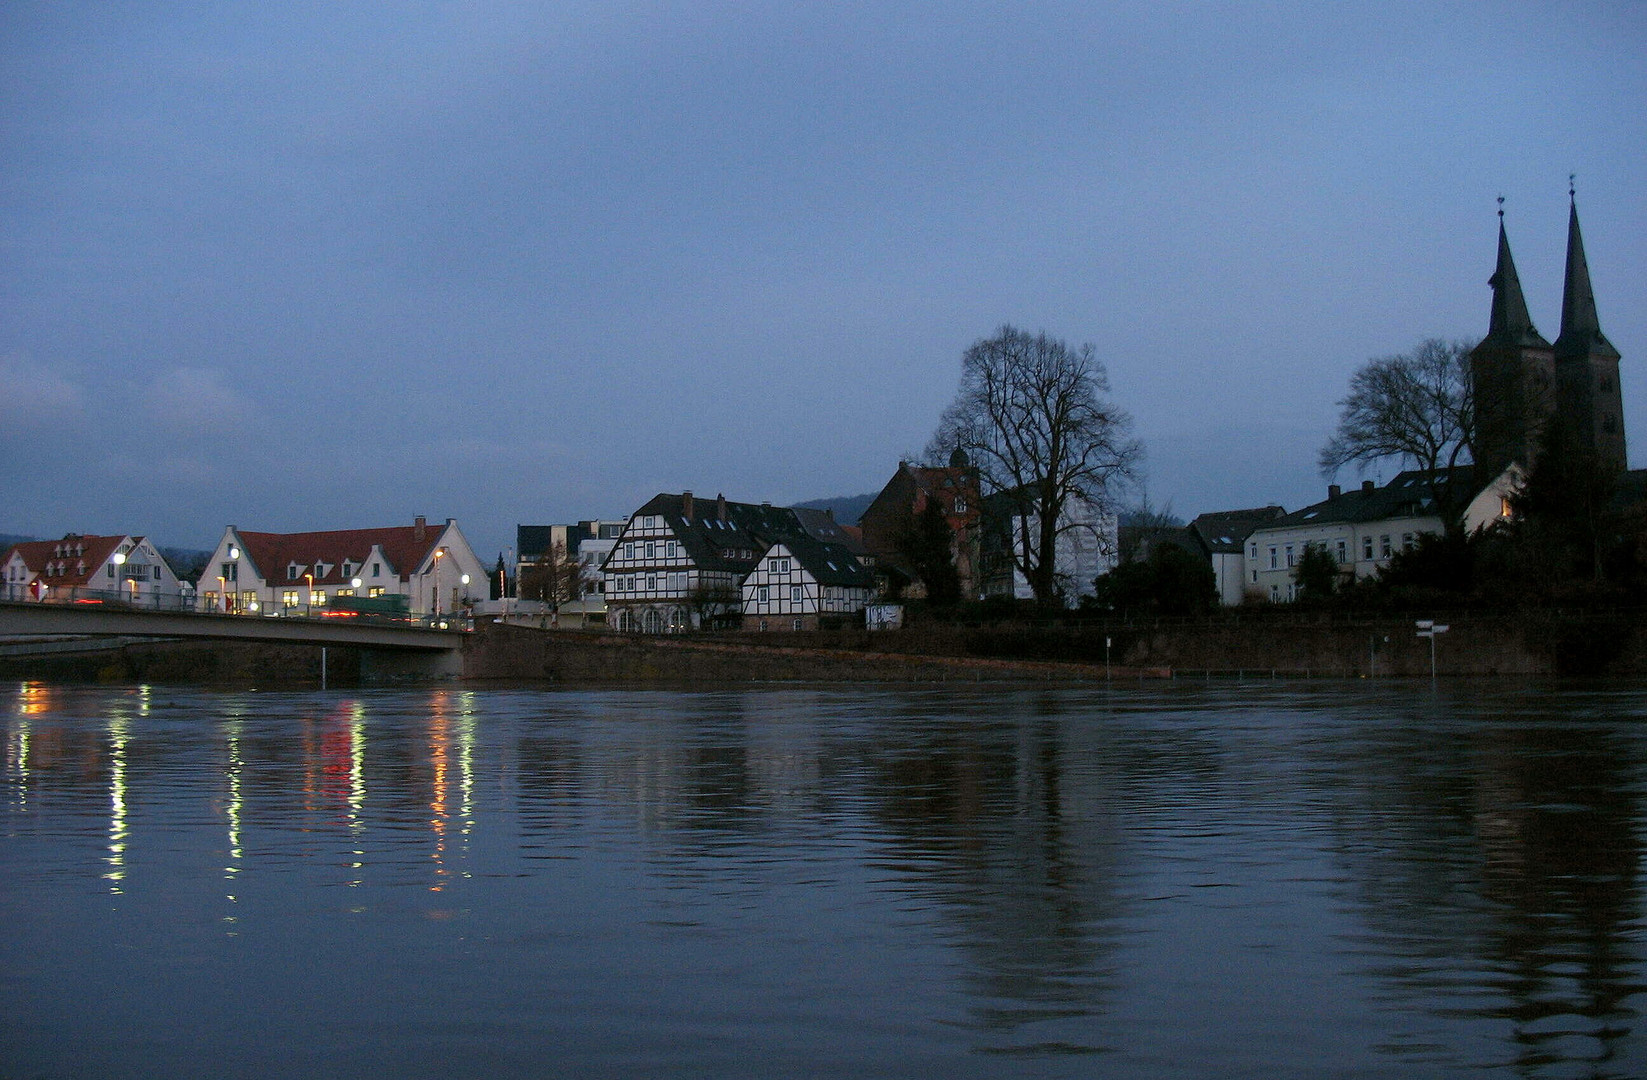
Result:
[
  {"x": 272, "y": 553},
  {"x": 86, "y": 556}
]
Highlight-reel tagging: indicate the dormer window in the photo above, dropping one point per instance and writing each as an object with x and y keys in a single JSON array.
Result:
[{"x": 293, "y": 572}]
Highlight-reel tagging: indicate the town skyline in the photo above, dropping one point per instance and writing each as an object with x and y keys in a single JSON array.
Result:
[{"x": 342, "y": 268}]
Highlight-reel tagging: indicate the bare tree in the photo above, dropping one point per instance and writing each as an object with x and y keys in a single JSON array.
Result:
[
  {"x": 717, "y": 605},
  {"x": 1032, "y": 417},
  {"x": 556, "y": 577},
  {"x": 1417, "y": 407}
]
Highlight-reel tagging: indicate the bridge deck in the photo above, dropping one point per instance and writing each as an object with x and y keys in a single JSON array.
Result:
[{"x": 109, "y": 620}]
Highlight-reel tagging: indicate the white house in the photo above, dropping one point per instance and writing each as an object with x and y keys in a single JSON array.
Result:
[
  {"x": 1087, "y": 547},
  {"x": 1222, "y": 535},
  {"x": 432, "y": 567},
  {"x": 126, "y": 568},
  {"x": 1362, "y": 529}
]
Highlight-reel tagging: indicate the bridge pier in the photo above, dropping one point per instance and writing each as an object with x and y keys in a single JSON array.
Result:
[{"x": 378, "y": 666}]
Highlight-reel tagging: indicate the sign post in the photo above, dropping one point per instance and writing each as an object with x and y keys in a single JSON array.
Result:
[{"x": 1429, "y": 628}]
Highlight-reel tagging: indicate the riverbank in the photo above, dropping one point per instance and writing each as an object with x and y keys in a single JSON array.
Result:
[{"x": 1266, "y": 643}]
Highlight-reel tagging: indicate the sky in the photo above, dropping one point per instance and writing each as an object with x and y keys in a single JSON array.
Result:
[{"x": 309, "y": 266}]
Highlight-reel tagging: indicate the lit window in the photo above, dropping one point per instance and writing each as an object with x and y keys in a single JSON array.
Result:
[
  {"x": 375, "y": 590},
  {"x": 288, "y": 598}
]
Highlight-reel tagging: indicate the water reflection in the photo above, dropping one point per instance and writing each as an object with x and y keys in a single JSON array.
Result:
[{"x": 1139, "y": 882}]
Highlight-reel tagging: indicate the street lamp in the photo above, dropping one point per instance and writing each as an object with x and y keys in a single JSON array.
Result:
[
  {"x": 439, "y": 553},
  {"x": 309, "y": 600},
  {"x": 118, "y": 559}
]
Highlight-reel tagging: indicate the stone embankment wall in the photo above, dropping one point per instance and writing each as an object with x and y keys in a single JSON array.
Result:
[
  {"x": 1547, "y": 643},
  {"x": 505, "y": 653}
]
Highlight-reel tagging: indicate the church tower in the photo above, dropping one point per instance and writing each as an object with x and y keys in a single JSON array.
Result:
[
  {"x": 1586, "y": 363},
  {"x": 1514, "y": 373}
]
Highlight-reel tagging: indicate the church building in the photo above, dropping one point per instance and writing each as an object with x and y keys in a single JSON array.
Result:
[{"x": 1523, "y": 383}]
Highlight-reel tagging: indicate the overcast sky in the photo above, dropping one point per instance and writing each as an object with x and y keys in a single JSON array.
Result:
[{"x": 308, "y": 266}]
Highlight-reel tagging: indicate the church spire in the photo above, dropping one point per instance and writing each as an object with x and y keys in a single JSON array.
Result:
[
  {"x": 1580, "y": 327},
  {"x": 1510, "y": 323}
]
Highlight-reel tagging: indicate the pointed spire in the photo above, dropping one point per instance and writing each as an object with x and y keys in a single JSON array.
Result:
[
  {"x": 1510, "y": 323},
  {"x": 1580, "y": 326}
]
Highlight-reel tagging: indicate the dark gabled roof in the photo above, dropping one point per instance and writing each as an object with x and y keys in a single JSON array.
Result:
[
  {"x": 830, "y": 564},
  {"x": 736, "y": 541},
  {"x": 1580, "y": 326},
  {"x": 822, "y": 527},
  {"x": 1223, "y": 532},
  {"x": 1410, "y": 494}
]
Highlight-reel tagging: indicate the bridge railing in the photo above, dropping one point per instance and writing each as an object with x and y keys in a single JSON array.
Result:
[{"x": 115, "y": 599}]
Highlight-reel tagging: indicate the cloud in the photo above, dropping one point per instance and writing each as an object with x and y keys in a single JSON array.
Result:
[
  {"x": 196, "y": 401},
  {"x": 33, "y": 396}
]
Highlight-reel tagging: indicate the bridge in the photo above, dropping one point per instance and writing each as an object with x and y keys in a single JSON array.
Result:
[{"x": 397, "y": 648}]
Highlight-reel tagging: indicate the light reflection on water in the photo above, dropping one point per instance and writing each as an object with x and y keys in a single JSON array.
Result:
[{"x": 1373, "y": 880}]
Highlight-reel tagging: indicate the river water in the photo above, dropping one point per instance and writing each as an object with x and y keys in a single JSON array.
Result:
[{"x": 1261, "y": 879}]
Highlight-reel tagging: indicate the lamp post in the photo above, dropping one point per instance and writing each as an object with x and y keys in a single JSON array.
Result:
[
  {"x": 503, "y": 583},
  {"x": 117, "y": 560},
  {"x": 309, "y": 599},
  {"x": 439, "y": 553},
  {"x": 223, "y": 592}
]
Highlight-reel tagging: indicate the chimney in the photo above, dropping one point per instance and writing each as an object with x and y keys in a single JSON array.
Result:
[
  {"x": 687, "y": 505},
  {"x": 1334, "y": 491},
  {"x": 720, "y": 506},
  {"x": 1367, "y": 486},
  {"x": 419, "y": 527}
]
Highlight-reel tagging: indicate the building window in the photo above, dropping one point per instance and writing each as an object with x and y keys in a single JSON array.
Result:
[
  {"x": 1289, "y": 556},
  {"x": 1406, "y": 541},
  {"x": 796, "y": 594},
  {"x": 1366, "y": 547},
  {"x": 960, "y": 508},
  {"x": 377, "y": 569},
  {"x": 651, "y": 583},
  {"x": 288, "y": 598},
  {"x": 1343, "y": 552},
  {"x": 316, "y": 596},
  {"x": 1384, "y": 547},
  {"x": 629, "y": 551},
  {"x": 375, "y": 590},
  {"x": 1275, "y": 594},
  {"x": 291, "y": 572},
  {"x": 669, "y": 550},
  {"x": 1252, "y": 552},
  {"x": 1275, "y": 562},
  {"x": 763, "y": 594},
  {"x": 651, "y": 551},
  {"x": 797, "y": 624}
]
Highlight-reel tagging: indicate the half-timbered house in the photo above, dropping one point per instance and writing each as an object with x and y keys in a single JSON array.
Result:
[{"x": 681, "y": 562}]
